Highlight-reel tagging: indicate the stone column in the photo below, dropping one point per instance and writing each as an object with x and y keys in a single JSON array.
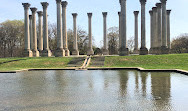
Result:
[
  {"x": 164, "y": 49},
  {"x": 65, "y": 44},
  {"x": 168, "y": 28},
  {"x": 40, "y": 36},
  {"x": 105, "y": 49},
  {"x": 123, "y": 51},
  {"x": 159, "y": 31},
  {"x": 27, "y": 51},
  {"x": 46, "y": 51},
  {"x": 155, "y": 35},
  {"x": 119, "y": 13},
  {"x": 75, "y": 44},
  {"x": 136, "y": 33},
  {"x": 143, "y": 49},
  {"x": 31, "y": 32},
  {"x": 34, "y": 28},
  {"x": 90, "y": 47},
  {"x": 60, "y": 52},
  {"x": 151, "y": 32}
]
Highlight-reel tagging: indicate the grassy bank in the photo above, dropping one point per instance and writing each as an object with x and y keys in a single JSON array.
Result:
[
  {"x": 10, "y": 64},
  {"x": 172, "y": 61}
]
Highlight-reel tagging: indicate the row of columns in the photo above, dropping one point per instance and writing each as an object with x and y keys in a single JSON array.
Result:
[
  {"x": 62, "y": 46},
  {"x": 30, "y": 48},
  {"x": 160, "y": 29},
  {"x": 159, "y": 37}
]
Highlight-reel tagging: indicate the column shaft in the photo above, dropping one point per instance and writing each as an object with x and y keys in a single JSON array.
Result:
[
  {"x": 65, "y": 44},
  {"x": 159, "y": 31},
  {"x": 143, "y": 49},
  {"x": 119, "y": 13},
  {"x": 27, "y": 51},
  {"x": 60, "y": 52},
  {"x": 34, "y": 29},
  {"x": 75, "y": 44},
  {"x": 168, "y": 29},
  {"x": 164, "y": 49},
  {"x": 151, "y": 32},
  {"x": 155, "y": 37},
  {"x": 136, "y": 33},
  {"x": 123, "y": 31},
  {"x": 90, "y": 47},
  {"x": 46, "y": 51},
  {"x": 31, "y": 32},
  {"x": 40, "y": 35},
  {"x": 105, "y": 50}
]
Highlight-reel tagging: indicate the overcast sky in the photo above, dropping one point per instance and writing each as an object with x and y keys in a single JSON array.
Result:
[{"x": 13, "y": 9}]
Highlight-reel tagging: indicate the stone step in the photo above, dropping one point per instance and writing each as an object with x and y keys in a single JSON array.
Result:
[
  {"x": 97, "y": 61},
  {"x": 76, "y": 62}
]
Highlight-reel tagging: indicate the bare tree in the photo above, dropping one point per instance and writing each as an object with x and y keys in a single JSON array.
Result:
[
  {"x": 180, "y": 44},
  {"x": 113, "y": 38}
]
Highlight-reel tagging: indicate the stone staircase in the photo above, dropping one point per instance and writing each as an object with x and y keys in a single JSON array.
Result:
[
  {"x": 76, "y": 62},
  {"x": 97, "y": 61}
]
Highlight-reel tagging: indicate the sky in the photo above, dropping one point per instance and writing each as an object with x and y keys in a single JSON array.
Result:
[{"x": 13, "y": 9}]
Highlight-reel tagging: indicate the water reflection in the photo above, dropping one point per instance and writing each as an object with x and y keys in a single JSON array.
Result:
[{"x": 90, "y": 90}]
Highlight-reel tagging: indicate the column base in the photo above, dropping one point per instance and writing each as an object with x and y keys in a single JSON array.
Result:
[
  {"x": 157, "y": 50},
  {"x": 75, "y": 52},
  {"x": 164, "y": 50},
  {"x": 105, "y": 52},
  {"x": 151, "y": 51},
  {"x": 28, "y": 53},
  {"x": 123, "y": 51},
  {"x": 90, "y": 52},
  {"x": 67, "y": 52},
  {"x": 36, "y": 53},
  {"x": 46, "y": 53},
  {"x": 135, "y": 51},
  {"x": 143, "y": 51},
  {"x": 59, "y": 52}
]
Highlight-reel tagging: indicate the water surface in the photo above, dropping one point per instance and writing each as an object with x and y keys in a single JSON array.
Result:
[{"x": 118, "y": 90}]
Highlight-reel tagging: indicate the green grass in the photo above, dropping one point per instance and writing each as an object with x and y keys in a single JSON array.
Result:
[
  {"x": 31, "y": 63},
  {"x": 171, "y": 61}
]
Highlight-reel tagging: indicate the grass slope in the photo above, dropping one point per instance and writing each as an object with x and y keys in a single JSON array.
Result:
[
  {"x": 171, "y": 61},
  {"x": 30, "y": 63}
]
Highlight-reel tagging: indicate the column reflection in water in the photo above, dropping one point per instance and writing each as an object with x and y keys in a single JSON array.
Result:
[
  {"x": 89, "y": 90},
  {"x": 144, "y": 76},
  {"x": 161, "y": 90}
]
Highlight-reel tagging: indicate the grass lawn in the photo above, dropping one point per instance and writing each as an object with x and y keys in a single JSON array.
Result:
[
  {"x": 30, "y": 63},
  {"x": 171, "y": 61}
]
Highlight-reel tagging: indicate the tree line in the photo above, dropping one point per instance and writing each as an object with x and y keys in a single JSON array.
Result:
[{"x": 12, "y": 40}]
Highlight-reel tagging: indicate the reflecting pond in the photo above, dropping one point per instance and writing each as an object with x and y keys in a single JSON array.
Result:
[{"x": 117, "y": 90}]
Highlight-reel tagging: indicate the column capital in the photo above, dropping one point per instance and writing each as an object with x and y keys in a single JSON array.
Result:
[
  {"x": 151, "y": 12},
  {"x": 26, "y": 5},
  {"x": 58, "y": 1},
  {"x": 163, "y": 1},
  {"x": 158, "y": 5},
  {"x": 104, "y": 14},
  {"x": 64, "y": 4},
  {"x": 74, "y": 14},
  {"x": 143, "y": 1},
  {"x": 168, "y": 12},
  {"x": 30, "y": 16},
  {"x": 154, "y": 9},
  {"x": 44, "y": 4},
  {"x": 33, "y": 9},
  {"x": 40, "y": 13},
  {"x": 136, "y": 13},
  {"x": 89, "y": 14},
  {"x": 120, "y": 1},
  {"x": 119, "y": 13}
]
